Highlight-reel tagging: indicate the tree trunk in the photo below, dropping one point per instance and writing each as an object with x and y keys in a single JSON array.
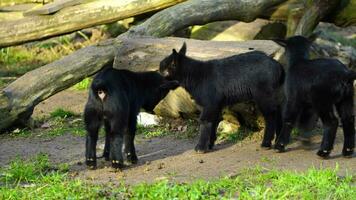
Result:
[
  {"x": 311, "y": 17},
  {"x": 199, "y": 12},
  {"x": 75, "y": 18}
]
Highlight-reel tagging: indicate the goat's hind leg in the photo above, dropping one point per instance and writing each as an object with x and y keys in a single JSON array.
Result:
[
  {"x": 129, "y": 138},
  {"x": 106, "y": 153},
  {"x": 290, "y": 114},
  {"x": 270, "y": 114},
  {"x": 345, "y": 110},
  {"x": 92, "y": 121}
]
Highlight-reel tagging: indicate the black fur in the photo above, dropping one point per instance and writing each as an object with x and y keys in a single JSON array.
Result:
[
  {"x": 320, "y": 84},
  {"x": 214, "y": 84},
  {"x": 126, "y": 92}
]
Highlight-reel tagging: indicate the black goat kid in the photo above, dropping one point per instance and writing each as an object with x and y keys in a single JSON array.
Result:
[
  {"x": 320, "y": 84},
  {"x": 214, "y": 84},
  {"x": 115, "y": 99}
]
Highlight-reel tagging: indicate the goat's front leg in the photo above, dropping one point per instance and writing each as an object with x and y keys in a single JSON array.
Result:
[{"x": 208, "y": 123}]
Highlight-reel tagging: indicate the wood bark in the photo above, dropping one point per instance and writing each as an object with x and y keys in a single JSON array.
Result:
[
  {"x": 53, "y": 7},
  {"x": 16, "y": 2},
  {"x": 75, "y": 18}
]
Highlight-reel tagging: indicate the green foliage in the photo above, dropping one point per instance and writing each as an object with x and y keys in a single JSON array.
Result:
[
  {"x": 83, "y": 85},
  {"x": 61, "y": 113},
  {"x": 151, "y": 131}
]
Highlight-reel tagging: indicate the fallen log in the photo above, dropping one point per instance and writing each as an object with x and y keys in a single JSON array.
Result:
[
  {"x": 16, "y": 2},
  {"x": 75, "y": 18}
]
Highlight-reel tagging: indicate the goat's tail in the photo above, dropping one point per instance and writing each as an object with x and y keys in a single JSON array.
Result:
[{"x": 100, "y": 85}]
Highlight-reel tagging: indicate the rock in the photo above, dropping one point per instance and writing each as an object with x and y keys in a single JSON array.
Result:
[
  {"x": 146, "y": 119},
  {"x": 227, "y": 127}
]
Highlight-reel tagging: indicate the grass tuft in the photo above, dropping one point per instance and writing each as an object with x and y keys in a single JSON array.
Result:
[{"x": 61, "y": 113}]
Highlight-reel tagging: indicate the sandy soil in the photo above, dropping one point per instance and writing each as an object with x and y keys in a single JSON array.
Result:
[{"x": 167, "y": 157}]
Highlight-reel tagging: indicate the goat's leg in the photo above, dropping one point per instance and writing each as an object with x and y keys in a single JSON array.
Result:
[
  {"x": 269, "y": 112},
  {"x": 208, "y": 119},
  {"x": 118, "y": 127},
  {"x": 129, "y": 138},
  {"x": 213, "y": 136},
  {"x": 345, "y": 110},
  {"x": 106, "y": 153},
  {"x": 92, "y": 124},
  {"x": 330, "y": 123},
  {"x": 290, "y": 114}
]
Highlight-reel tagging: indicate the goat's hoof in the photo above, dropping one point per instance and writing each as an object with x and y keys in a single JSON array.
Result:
[
  {"x": 116, "y": 164},
  {"x": 106, "y": 156},
  {"x": 200, "y": 149},
  {"x": 280, "y": 148},
  {"x": 131, "y": 159},
  {"x": 348, "y": 152},
  {"x": 266, "y": 145},
  {"x": 323, "y": 153},
  {"x": 91, "y": 163}
]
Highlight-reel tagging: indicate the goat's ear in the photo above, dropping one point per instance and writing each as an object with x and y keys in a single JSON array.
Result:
[
  {"x": 174, "y": 51},
  {"x": 183, "y": 49},
  {"x": 281, "y": 42},
  {"x": 314, "y": 35}
]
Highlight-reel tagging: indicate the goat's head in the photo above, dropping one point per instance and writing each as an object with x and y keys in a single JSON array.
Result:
[
  {"x": 297, "y": 42},
  {"x": 170, "y": 65},
  {"x": 297, "y": 45}
]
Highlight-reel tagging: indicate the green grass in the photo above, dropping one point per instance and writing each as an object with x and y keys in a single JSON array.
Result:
[
  {"x": 37, "y": 178},
  {"x": 256, "y": 184},
  {"x": 61, "y": 113},
  {"x": 188, "y": 129},
  {"x": 59, "y": 123}
]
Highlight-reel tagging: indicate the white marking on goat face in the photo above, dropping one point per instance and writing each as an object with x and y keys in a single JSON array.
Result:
[{"x": 101, "y": 94}]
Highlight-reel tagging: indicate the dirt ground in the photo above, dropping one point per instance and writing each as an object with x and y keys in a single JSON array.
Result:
[{"x": 167, "y": 157}]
